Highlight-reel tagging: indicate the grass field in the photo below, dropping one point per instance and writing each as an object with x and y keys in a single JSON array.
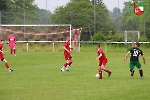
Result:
[{"x": 37, "y": 76}]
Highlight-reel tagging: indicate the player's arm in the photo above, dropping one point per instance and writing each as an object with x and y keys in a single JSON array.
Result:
[
  {"x": 2, "y": 51},
  {"x": 66, "y": 49},
  {"x": 126, "y": 55},
  {"x": 144, "y": 59},
  {"x": 99, "y": 56}
]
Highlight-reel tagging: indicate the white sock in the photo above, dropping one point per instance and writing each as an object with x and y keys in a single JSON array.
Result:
[{"x": 67, "y": 68}]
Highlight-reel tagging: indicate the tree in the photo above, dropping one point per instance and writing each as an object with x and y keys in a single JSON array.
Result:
[
  {"x": 3, "y": 5},
  {"x": 116, "y": 12},
  {"x": 44, "y": 16},
  {"x": 81, "y": 14},
  {"x": 19, "y": 12}
]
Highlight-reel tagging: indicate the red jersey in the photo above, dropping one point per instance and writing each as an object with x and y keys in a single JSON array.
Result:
[
  {"x": 67, "y": 46},
  {"x": 103, "y": 57},
  {"x": 12, "y": 39}
]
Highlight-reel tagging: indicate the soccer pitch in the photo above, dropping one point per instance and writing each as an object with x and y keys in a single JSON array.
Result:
[{"x": 37, "y": 76}]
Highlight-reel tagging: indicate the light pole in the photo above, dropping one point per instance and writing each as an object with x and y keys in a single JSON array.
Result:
[
  {"x": 94, "y": 17},
  {"x": 144, "y": 26},
  {"x": 46, "y": 11},
  {"x": 24, "y": 18},
  {"x": 0, "y": 27},
  {"x": 118, "y": 19},
  {"x": 70, "y": 12}
]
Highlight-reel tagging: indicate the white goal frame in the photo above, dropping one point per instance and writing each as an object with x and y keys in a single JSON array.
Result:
[
  {"x": 27, "y": 45},
  {"x": 131, "y": 39}
]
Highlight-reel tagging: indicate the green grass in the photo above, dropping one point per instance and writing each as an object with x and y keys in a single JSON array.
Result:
[{"x": 37, "y": 76}]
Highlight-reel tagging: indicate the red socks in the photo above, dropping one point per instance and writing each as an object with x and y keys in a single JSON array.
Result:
[
  {"x": 14, "y": 51},
  {"x": 7, "y": 66},
  {"x": 11, "y": 51},
  {"x": 70, "y": 63},
  {"x": 100, "y": 74},
  {"x": 108, "y": 71},
  {"x": 65, "y": 65}
]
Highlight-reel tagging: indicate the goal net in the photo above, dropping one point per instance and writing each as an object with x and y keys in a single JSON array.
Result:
[
  {"x": 39, "y": 38},
  {"x": 131, "y": 37}
]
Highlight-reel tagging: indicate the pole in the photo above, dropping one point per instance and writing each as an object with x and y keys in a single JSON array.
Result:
[
  {"x": 144, "y": 27},
  {"x": 118, "y": 19},
  {"x": 46, "y": 11},
  {"x": 70, "y": 12},
  {"x": 24, "y": 22},
  {"x": 24, "y": 13},
  {"x": 0, "y": 26},
  {"x": 94, "y": 17}
]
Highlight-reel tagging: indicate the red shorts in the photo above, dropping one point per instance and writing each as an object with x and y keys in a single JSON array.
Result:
[
  {"x": 102, "y": 62},
  {"x": 67, "y": 56},
  {"x": 12, "y": 46}
]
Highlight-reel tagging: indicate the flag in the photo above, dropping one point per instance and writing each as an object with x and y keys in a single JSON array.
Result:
[{"x": 138, "y": 8}]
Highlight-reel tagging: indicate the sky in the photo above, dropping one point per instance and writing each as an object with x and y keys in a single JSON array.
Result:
[{"x": 52, "y": 4}]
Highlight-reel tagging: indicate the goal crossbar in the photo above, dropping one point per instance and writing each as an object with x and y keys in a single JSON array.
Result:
[{"x": 39, "y": 25}]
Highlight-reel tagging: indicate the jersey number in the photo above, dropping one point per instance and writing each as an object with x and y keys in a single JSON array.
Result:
[{"x": 135, "y": 54}]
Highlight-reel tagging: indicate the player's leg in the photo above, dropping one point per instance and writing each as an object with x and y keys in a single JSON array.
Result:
[
  {"x": 71, "y": 60},
  {"x": 11, "y": 49},
  {"x": 105, "y": 69},
  {"x": 14, "y": 50},
  {"x": 141, "y": 72},
  {"x": 100, "y": 72},
  {"x": 6, "y": 64},
  {"x": 138, "y": 65},
  {"x": 132, "y": 67},
  {"x": 66, "y": 63},
  {"x": 68, "y": 66}
]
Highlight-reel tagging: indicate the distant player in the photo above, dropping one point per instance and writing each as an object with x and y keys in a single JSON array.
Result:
[
  {"x": 102, "y": 62},
  {"x": 67, "y": 55},
  {"x": 2, "y": 57},
  {"x": 134, "y": 59},
  {"x": 12, "y": 44}
]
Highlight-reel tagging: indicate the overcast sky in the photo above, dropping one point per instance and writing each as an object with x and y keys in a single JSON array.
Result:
[{"x": 52, "y": 4}]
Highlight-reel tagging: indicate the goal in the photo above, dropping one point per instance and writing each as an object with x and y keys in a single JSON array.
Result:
[
  {"x": 39, "y": 38},
  {"x": 131, "y": 37}
]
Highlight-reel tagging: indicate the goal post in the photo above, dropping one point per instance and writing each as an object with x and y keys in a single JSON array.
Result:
[
  {"x": 131, "y": 37},
  {"x": 49, "y": 37}
]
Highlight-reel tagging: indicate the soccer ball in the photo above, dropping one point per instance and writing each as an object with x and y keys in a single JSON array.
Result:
[{"x": 97, "y": 75}]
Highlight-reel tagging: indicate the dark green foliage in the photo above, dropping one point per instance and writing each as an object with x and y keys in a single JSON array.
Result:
[
  {"x": 3, "y": 5},
  {"x": 108, "y": 38},
  {"x": 19, "y": 12},
  {"x": 81, "y": 14},
  {"x": 99, "y": 37}
]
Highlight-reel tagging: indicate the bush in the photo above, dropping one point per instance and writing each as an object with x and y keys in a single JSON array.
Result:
[{"x": 99, "y": 37}]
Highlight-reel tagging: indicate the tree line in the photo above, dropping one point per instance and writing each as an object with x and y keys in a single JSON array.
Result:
[{"x": 98, "y": 23}]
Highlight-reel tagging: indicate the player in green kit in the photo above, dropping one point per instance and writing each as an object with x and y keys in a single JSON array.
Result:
[{"x": 134, "y": 59}]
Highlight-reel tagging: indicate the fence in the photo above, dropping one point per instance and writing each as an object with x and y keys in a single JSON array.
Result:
[{"x": 85, "y": 46}]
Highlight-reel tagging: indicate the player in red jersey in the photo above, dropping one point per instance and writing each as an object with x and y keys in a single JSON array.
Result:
[
  {"x": 102, "y": 62},
  {"x": 67, "y": 55},
  {"x": 12, "y": 44},
  {"x": 2, "y": 57}
]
